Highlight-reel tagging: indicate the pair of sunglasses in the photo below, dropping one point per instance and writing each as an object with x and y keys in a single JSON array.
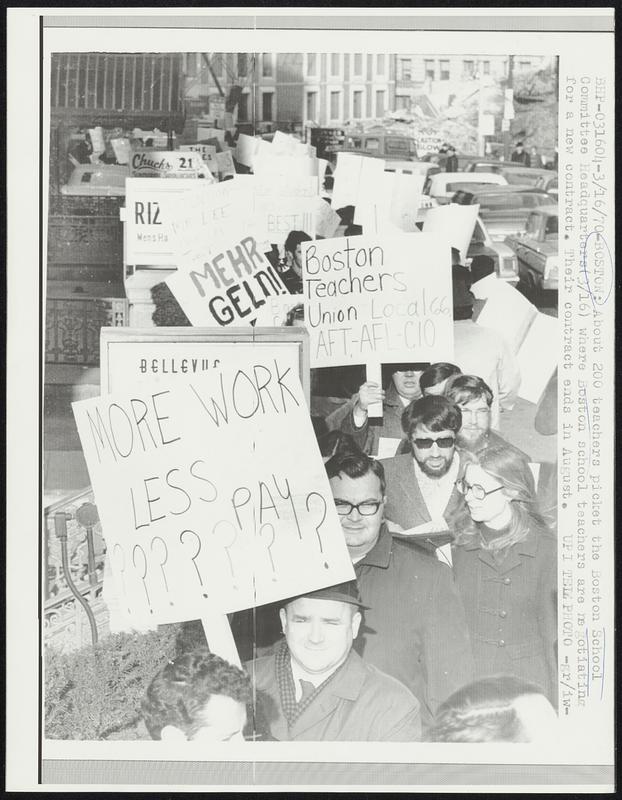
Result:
[{"x": 444, "y": 442}]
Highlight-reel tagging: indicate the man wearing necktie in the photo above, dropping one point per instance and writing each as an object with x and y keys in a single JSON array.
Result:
[
  {"x": 415, "y": 626},
  {"x": 314, "y": 686}
]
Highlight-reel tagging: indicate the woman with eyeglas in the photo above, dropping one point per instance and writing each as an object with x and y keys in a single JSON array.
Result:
[{"x": 505, "y": 567}]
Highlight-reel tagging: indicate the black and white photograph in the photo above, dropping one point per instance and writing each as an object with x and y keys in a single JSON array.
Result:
[{"x": 324, "y": 380}]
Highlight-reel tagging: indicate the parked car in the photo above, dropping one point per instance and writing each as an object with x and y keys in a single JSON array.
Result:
[
  {"x": 482, "y": 244},
  {"x": 97, "y": 179},
  {"x": 514, "y": 173},
  {"x": 504, "y": 209},
  {"x": 537, "y": 251},
  {"x": 549, "y": 183},
  {"x": 444, "y": 185},
  {"x": 413, "y": 167}
]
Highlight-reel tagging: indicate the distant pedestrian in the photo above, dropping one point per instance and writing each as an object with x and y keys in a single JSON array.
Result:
[
  {"x": 535, "y": 159},
  {"x": 451, "y": 164},
  {"x": 520, "y": 155}
]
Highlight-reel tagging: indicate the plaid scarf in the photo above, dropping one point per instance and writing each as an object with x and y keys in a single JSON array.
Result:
[{"x": 287, "y": 691}]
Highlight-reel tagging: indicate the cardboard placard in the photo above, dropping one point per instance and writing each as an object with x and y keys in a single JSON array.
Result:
[
  {"x": 168, "y": 164},
  {"x": 207, "y": 153},
  {"x": 383, "y": 299},
  {"x": 122, "y": 149},
  {"x": 228, "y": 286},
  {"x": 326, "y": 218},
  {"x": 245, "y": 150},
  {"x": 284, "y": 204},
  {"x": 204, "y": 132},
  {"x": 224, "y": 164},
  {"x": 455, "y": 222},
  {"x": 189, "y": 528}
]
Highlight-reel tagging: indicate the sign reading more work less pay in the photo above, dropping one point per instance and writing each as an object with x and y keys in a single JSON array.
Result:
[
  {"x": 378, "y": 299},
  {"x": 205, "y": 504}
]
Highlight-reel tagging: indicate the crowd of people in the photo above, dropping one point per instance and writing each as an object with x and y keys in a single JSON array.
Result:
[{"x": 449, "y": 630}]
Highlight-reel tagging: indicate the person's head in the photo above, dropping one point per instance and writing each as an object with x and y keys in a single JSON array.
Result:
[
  {"x": 431, "y": 425},
  {"x": 481, "y": 266},
  {"x": 434, "y": 379},
  {"x": 499, "y": 491},
  {"x": 451, "y": 150},
  {"x": 519, "y": 147},
  {"x": 320, "y": 627},
  {"x": 534, "y": 150},
  {"x": 198, "y": 696},
  {"x": 337, "y": 443},
  {"x": 358, "y": 486},
  {"x": 474, "y": 397},
  {"x": 501, "y": 708},
  {"x": 406, "y": 381},
  {"x": 292, "y": 247}
]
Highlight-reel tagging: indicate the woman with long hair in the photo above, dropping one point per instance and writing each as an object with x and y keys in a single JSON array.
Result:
[{"x": 505, "y": 566}]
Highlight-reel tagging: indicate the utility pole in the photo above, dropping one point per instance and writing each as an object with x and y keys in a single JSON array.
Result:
[{"x": 507, "y": 138}]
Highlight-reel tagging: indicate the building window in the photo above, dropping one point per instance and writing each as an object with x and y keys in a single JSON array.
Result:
[
  {"x": 243, "y": 107},
  {"x": 242, "y": 65},
  {"x": 311, "y": 63},
  {"x": 444, "y": 65},
  {"x": 380, "y": 103},
  {"x": 357, "y": 104},
  {"x": 266, "y": 106},
  {"x": 486, "y": 67},
  {"x": 428, "y": 64},
  {"x": 358, "y": 64},
  {"x": 405, "y": 69},
  {"x": 468, "y": 69},
  {"x": 523, "y": 66},
  {"x": 380, "y": 64},
  {"x": 334, "y": 64},
  {"x": 334, "y": 104},
  {"x": 267, "y": 70},
  {"x": 312, "y": 106}
]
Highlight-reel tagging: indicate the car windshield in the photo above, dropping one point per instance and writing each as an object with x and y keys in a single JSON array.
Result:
[{"x": 552, "y": 226}]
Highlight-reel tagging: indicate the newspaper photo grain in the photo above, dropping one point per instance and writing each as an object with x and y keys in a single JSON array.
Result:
[{"x": 309, "y": 434}]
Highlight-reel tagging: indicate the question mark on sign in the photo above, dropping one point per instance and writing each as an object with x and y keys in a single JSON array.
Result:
[
  {"x": 224, "y": 523},
  {"x": 321, "y": 522},
  {"x": 143, "y": 570},
  {"x": 271, "y": 536},
  {"x": 121, "y": 569},
  {"x": 162, "y": 561},
  {"x": 195, "y": 556}
]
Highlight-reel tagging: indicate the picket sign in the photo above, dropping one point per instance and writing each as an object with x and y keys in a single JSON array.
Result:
[
  {"x": 373, "y": 372},
  {"x": 455, "y": 222}
]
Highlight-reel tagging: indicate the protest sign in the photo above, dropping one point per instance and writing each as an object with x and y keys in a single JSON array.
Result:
[
  {"x": 217, "y": 107},
  {"x": 267, "y": 164},
  {"x": 227, "y": 287},
  {"x": 405, "y": 200},
  {"x": 207, "y": 153},
  {"x": 284, "y": 204},
  {"x": 159, "y": 139},
  {"x": 168, "y": 164},
  {"x": 378, "y": 299},
  {"x": 245, "y": 150},
  {"x": 346, "y": 185},
  {"x": 204, "y": 504},
  {"x": 211, "y": 213},
  {"x": 122, "y": 149},
  {"x": 210, "y": 133},
  {"x": 97, "y": 140},
  {"x": 224, "y": 164},
  {"x": 373, "y": 211},
  {"x": 326, "y": 219},
  {"x": 455, "y": 222},
  {"x": 151, "y": 211}
]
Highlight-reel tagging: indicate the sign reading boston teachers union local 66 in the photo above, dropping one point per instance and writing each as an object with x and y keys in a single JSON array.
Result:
[
  {"x": 378, "y": 299},
  {"x": 204, "y": 502}
]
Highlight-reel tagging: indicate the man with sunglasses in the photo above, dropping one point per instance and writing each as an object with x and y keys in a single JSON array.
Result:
[
  {"x": 421, "y": 486},
  {"x": 414, "y": 622}
]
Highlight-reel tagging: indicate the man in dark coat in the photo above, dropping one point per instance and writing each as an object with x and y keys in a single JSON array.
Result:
[
  {"x": 451, "y": 164},
  {"x": 520, "y": 155},
  {"x": 314, "y": 687},
  {"x": 414, "y": 623}
]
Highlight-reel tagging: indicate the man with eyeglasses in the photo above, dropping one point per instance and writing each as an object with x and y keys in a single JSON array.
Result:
[{"x": 414, "y": 622}]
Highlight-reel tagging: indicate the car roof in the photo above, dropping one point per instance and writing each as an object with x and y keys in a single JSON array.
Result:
[
  {"x": 469, "y": 177},
  {"x": 550, "y": 209},
  {"x": 512, "y": 188}
]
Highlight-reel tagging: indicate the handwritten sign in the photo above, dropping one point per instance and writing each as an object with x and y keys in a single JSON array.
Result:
[
  {"x": 204, "y": 504},
  {"x": 455, "y": 222},
  {"x": 169, "y": 164},
  {"x": 207, "y": 152},
  {"x": 378, "y": 299},
  {"x": 229, "y": 286},
  {"x": 246, "y": 148},
  {"x": 284, "y": 204}
]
